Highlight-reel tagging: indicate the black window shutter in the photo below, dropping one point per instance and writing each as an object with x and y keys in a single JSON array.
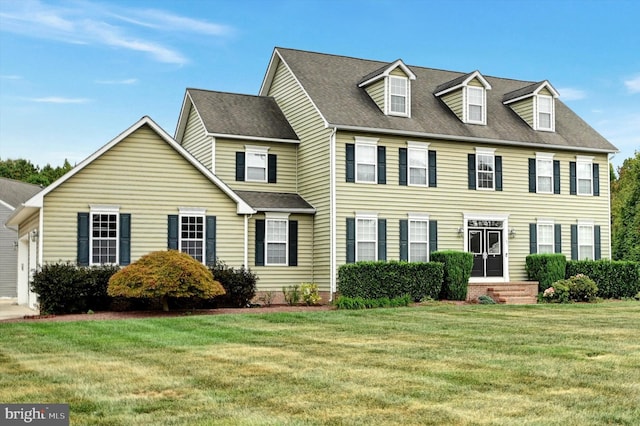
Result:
[
  {"x": 172, "y": 232},
  {"x": 557, "y": 238},
  {"x": 260, "y": 231},
  {"x": 210, "y": 243},
  {"x": 532, "y": 175},
  {"x": 351, "y": 240},
  {"x": 533, "y": 238},
  {"x": 404, "y": 239},
  {"x": 597, "y": 247},
  {"x": 433, "y": 176},
  {"x": 574, "y": 242},
  {"x": 83, "y": 239},
  {"x": 433, "y": 236},
  {"x": 293, "y": 243},
  {"x": 572, "y": 178},
  {"x": 382, "y": 165},
  {"x": 498, "y": 160},
  {"x": 596, "y": 179},
  {"x": 472, "y": 170},
  {"x": 382, "y": 239},
  {"x": 556, "y": 176},
  {"x": 125, "y": 239},
  {"x": 351, "y": 162},
  {"x": 402, "y": 163},
  {"x": 273, "y": 168},
  {"x": 240, "y": 166}
]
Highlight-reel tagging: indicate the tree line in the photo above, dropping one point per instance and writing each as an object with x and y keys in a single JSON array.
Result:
[{"x": 625, "y": 198}]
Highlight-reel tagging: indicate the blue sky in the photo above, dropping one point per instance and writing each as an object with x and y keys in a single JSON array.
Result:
[{"x": 75, "y": 74}]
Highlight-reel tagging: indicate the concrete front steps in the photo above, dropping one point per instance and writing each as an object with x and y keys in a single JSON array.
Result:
[{"x": 512, "y": 293}]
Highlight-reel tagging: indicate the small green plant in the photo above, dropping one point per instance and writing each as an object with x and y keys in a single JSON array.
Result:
[
  {"x": 267, "y": 298},
  {"x": 291, "y": 294},
  {"x": 310, "y": 295},
  {"x": 582, "y": 288},
  {"x": 558, "y": 293},
  {"x": 486, "y": 300}
]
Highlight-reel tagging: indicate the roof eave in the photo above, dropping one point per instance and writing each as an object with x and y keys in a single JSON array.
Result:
[{"x": 253, "y": 138}]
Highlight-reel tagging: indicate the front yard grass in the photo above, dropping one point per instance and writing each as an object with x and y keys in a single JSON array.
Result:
[{"x": 437, "y": 364}]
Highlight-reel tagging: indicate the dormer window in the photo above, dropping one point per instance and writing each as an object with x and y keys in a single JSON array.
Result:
[
  {"x": 545, "y": 112},
  {"x": 466, "y": 97},
  {"x": 475, "y": 105},
  {"x": 535, "y": 104},
  {"x": 398, "y": 95}
]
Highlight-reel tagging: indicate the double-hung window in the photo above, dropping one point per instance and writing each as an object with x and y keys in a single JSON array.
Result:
[
  {"x": 418, "y": 164},
  {"x": 192, "y": 234},
  {"x": 544, "y": 173},
  {"x": 256, "y": 164},
  {"x": 366, "y": 162},
  {"x": 276, "y": 239},
  {"x": 485, "y": 168},
  {"x": 475, "y": 105},
  {"x": 584, "y": 174},
  {"x": 366, "y": 238},
  {"x": 545, "y": 112},
  {"x": 419, "y": 240},
  {"x": 545, "y": 238},
  {"x": 585, "y": 241},
  {"x": 398, "y": 95},
  {"x": 104, "y": 235}
]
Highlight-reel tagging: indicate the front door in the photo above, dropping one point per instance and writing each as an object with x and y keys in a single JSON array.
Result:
[{"x": 485, "y": 243}]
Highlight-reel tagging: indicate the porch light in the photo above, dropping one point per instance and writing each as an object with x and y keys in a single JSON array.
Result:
[
  {"x": 460, "y": 231},
  {"x": 512, "y": 233},
  {"x": 34, "y": 235}
]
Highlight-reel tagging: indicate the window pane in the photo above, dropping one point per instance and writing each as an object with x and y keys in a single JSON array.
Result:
[
  {"x": 366, "y": 230},
  {"x": 417, "y": 176},
  {"x": 398, "y": 104},
  {"x": 192, "y": 236},
  {"x": 544, "y": 120},
  {"x": 418, "y": 252},
  {"x": 475, "y": 113},
  {"x": 366, "y": 251},
  {"x": 398, "y": 91},
  {"x": 254, "y": 173},
  {"x": 104, "y": 236},
  {"x": 366, "y": 173},
  {"x": 584, "y": 186},
  {"x": 545, "y": 238},
  {"x": 277, "y": 230},
  {"x": 544, "y": 184},
  {"x": 485, "y": 171},
  {"x": 276, "y": 253},
  {"x": 544, "y": 104},
  {"x": 256, "y": 166},
  {"x": 366, "y": 163},
  {"x": 418, "y": 230}
]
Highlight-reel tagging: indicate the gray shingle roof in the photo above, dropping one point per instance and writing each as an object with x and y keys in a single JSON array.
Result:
[
  {"x": 332, "y": 83},
  {"x": 241, "y": 115},
  {"x": 276, "y": 201},
  {"x": 525, "y": 91},
  {"x": 14, "y": 192},
  {"x": 452, "y": 83}
]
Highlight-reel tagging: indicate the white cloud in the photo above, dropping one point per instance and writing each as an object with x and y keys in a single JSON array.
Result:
[
  {"x": 571, "y": 94},
  {"x": 633, "y": 85},
  {"x": 60, "y": 100},
  {"x": 124, "y": 81}
]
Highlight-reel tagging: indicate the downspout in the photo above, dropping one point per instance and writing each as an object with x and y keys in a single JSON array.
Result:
[
  {"x": 39, "y": 247},
  {"x": 609, "y": 204},
  {"x": 246, "y": 240},
  {"x": 332, "y": 212}
]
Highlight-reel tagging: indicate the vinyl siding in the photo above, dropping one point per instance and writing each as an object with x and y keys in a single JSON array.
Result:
[
  {"x": 196, "y": 141},
  {"x": 397, "y": 71},
  {"x": 545, "y": 91},
  {"x": 523, "y": 207},
  {"x": 376, "y": 91},
  {"x": 454, "y": 101},
  {"x": 475, "y": 82},
  {"x": 8, "y": 256},
  {"x": 273, "y": 278},
  {"x": 286, "y": 165},
  {"x": 524, "y": 109},
  {"x": 313, "y": 164},
  {"x": 145, "y": 177}
]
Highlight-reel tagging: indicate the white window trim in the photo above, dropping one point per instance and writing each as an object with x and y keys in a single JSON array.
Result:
[
  {"x": 414, "y": 147},
  {"x": 536, "y": 115},
  {"x": 544, "y": 156},
  {"x": 545, "y": 222},
  {"x": 261, "y": 150},
  {"x": 580, "y": 159},
  {"x": 367, "y": 216},
  {"x": 466, "y": 104},
  {"x": 407, "y": 98},
  {"x": 193, "y": 212},
  {"x": 104, "y": 209},
  {"x": 276, "y": 217},
  {"x": 417, "y": 217},
  {"x": 492, "y": 153},
  {"x": 364, "y": 141},
  {"x": 586, "y": 224}
]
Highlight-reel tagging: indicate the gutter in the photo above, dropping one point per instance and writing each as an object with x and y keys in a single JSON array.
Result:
[{"x": 332, "y": 213}]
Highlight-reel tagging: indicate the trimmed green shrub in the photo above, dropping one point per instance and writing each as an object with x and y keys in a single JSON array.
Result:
[
  {"x": 615, "y": 279},
  {"x": 457, "y": 271},
  {"x": 546, "y": 269},
  {"x": 486, "y": 300},
  {"x": 375, "y": 280},
  {"x": 344, "y": 302},
  {"x": 582, "y": 288},
  {"x": 239, "y": 284},
  {"x": 165, "y": 274},
  {"x": 557, "y": 293},
  {"x": 64, "y": 288}
]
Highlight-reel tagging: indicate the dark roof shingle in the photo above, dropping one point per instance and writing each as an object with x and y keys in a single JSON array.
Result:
[
  {"x": 276, "y": 201},
  {"x": 14, "y": 192}
]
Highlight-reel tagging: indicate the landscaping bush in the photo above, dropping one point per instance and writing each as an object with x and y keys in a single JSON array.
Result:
[
  {"x": 557, "y": 293},
  {"x": 457, "y": 271},
  {"x": 344, "y": 302},
  {"x": 615, "y": 279},
  {"x": 486, "y": 300},
  {"x": 310, "y": 295},
  {"x": 291, "y": 294},
  {"x": 546, "y": 269},
  {"x": 239, "y": 284},
  {"x": 578, "y": 288},
  {"x": 165, "y": 274},
  {"x": 375, "y": 280},
  {"x": 64, "y": 288}
]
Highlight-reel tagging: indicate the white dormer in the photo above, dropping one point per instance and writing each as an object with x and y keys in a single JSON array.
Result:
[
  {"x": 390, "y": 88},
  {"x": 466, "y": 96},
  {"x": 535, "y": 104}
]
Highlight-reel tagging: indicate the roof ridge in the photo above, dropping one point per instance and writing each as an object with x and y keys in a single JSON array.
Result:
[{"x": 222, "y": 92}]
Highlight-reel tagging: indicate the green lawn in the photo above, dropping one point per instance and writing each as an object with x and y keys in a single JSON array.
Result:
[{"x": 435, "y": 364}]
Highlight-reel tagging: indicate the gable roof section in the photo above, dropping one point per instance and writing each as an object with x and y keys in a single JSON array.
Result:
[
  {"x": 528, "y": 91},
  {"x": 463, "y": 80},
  {"x": 14, "y": 192},
  {"x": 237, "y": 116},
  {"x": 331, "y": 82},
  {"x": 276, "y": 202},
  {"x": 37, "y": 201},
  {"x": 384, "y": 71}
]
